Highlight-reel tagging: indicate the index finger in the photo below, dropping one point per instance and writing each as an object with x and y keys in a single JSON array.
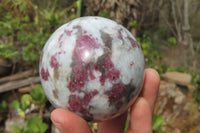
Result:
[{"x": 151, "y": 86}]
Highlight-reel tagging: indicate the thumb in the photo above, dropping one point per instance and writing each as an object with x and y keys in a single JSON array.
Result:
[{"x": 69, "y": 122}]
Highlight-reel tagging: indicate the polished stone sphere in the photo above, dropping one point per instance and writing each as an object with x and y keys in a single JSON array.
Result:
[{"x": 93, "y": 67}]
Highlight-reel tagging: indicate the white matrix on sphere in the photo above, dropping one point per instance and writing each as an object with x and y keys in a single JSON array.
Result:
[{"x": 92, "y": 66}]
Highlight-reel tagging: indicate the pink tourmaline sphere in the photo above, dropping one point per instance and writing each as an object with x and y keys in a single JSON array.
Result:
[{"x": 93, "y": 67}]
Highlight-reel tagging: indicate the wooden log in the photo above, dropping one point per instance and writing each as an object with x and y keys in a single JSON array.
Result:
[
  {"x": 12, "y": 85},
  {"x": 17, "y": 76},
  {"x": 24, "y": 89}
]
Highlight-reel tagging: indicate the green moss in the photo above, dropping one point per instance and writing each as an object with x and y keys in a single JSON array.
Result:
[{"x": 105, "y": 14}]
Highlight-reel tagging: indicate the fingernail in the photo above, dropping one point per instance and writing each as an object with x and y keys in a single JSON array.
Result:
[
  {"x": 59, "y": 127},
  {"x": 58, "y": 124}
]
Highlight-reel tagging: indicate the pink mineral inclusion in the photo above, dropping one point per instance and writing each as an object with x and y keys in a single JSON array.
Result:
[
  {"x": 113, "y": 74},
  {"x": 80, "y": 73},
  {"x": 135, "y": 44},
  {"x": 54, "y": 62},
  {"x": 83, "y": 49},
  {"x": 96, "y": 67},
  {"x": 132, "y": 63},
  {"x": 102, "y": 80},
  {"x": 119, "y": 35},
  {"x": 108, "y": 63},
  {"x": 74, "y": 86},
  {"x": 60, "y": 44},
  {"x": 88, "y": 96},
  {"x": 81, "y": 77},
  {"x": 83, "y": 72},
  {"x": 68, "y": 32},
  {"x": 60, "y": 37},
  {"x": 83, "y": 44},
  {"x": 87, "y": 41},
  {"x": 115, "y": 93},
  {"x": 44, "y": 73},
  {"x": 77, "y": 69},
  {"x": 75, "y": 103},
  {"x": 60, "y": 41}
]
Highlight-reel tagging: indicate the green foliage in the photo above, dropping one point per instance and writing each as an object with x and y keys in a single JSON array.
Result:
[
  {"x": 145, "y": 43},
  {"x": 34, "y": 43},
  {"x": 29, "y": 53},
  {"x": 7, "y": 51},
  {"x": 164, "y": 68},
  {"x": 15, "y": 104},
  {"x": 73, "y": 16},
  {"x": 38, "y": 95},
  {"x": 182, "y": 69},
  {"x": 126, "y": 126},
  {"x": 79, "y": 6},
  {"x": 156, "y": 55},
  {"x": 105, "y": 14},
  {"x": 34, "y": 125},
  {"x": 162, "y": 34},
  {"x": 11, "y": 25},
  {"x": 25, "y": 29},
  {"x": 195, "y": 77},
  {"x": 50, "y": 15},
  {"x": 94, "y": 127},
  {"x": 152, "y": 56},
  {"x": 16, "y": 129},
  {"x": 54, "y": 15},
  {"x": 196, "y": 93},
  {"x": 3, "y": 105},
  {"x": 22, "y": 105},
  {"x": 196, "y": 47},
  {"x": 25, "y": 101},
  {"x": 154, "y": 62},
  {"x": 158, "y": 123},
  {"x": 23, "y": 36},
  {"x": 172, "y": 41},
  {"x": 171, "y": 69},
  {"x": 133, "y": 24}
]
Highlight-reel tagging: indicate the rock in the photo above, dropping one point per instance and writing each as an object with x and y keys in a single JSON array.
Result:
[
  {"x": 10, "y": 122},
  {"x": 179, "y": 112},
  {"x": 178, "y": 78},
  {"x": 179, "y": 97}
]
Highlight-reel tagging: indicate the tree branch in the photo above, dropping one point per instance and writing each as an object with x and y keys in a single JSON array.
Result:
[{"x": 18, "y": 84}]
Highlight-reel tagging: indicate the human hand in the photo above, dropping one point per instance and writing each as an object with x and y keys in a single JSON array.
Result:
[{"x": 140, "y": 113}]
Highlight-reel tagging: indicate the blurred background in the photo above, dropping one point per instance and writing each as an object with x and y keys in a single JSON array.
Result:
[{"x": 167, "y": 30}]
